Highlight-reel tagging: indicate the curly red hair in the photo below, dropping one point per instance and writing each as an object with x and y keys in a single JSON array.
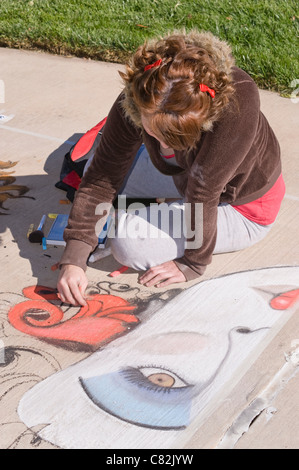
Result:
[{"x": 169, "y": 93}]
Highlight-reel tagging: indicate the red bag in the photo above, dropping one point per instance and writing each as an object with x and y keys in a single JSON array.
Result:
[{"x": 76, "y": 159}]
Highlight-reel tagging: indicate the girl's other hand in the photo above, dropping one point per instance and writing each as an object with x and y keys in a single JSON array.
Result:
[{"x": 162, "y": 275}]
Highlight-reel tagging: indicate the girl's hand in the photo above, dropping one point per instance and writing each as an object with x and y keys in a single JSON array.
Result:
[
  {"x": 162, "y": 275},
  {"x": 71, "y": 286}
]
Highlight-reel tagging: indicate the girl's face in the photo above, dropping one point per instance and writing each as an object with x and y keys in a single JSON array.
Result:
[{"x": 147, "y": 127}]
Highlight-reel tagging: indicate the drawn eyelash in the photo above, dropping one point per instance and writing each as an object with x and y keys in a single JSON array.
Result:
[{"x": 137, "y": 377}]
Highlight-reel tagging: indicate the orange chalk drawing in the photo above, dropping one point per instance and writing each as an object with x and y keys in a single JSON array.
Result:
[
  {"x": 9, "y": 190},
  {"x": 104, "y": 318}
]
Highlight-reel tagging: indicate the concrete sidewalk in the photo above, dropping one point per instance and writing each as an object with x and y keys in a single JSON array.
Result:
[{"x": 48, "y": 101}]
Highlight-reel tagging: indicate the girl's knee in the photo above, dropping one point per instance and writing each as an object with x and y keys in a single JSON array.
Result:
[
  {"x": 141, "y": 245},
  {"x": 142, "y": 254}
]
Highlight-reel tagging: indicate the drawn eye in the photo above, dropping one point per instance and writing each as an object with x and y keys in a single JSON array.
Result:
[
  {"x": 146, "y": 396},
  {"x": 154, "y": 378}
]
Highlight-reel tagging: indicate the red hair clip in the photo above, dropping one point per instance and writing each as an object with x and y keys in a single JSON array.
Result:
[
  {"x": 155, "y": 64},
  {"x": 206, "y": 88}
]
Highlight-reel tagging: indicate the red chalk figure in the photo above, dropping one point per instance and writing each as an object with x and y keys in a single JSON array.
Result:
[
  {"x": 285, "y": 300},
  {"x": 103, "y": 318}
]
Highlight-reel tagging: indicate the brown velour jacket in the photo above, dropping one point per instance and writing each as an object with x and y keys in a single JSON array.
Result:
[{"x": 236, "y": 161}]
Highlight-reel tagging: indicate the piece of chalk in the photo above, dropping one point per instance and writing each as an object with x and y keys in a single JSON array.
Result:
[
  {"x": 118, "y": 271},
  {"x": 44, "y": 243},
  {"x": 98, "y": 254},
  {"x": 30, "y": 230},
  {"x": 41, "y": 224},
  {"x": 55, "y": 266},
  {"x": 64, "y": 201}
]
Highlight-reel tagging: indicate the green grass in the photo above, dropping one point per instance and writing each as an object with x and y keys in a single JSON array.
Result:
[{"x": 262, "y": 34}]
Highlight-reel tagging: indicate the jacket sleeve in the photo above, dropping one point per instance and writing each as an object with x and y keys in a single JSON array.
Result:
[
  {"x": 99, "y": 186},
  {"x": 223, "y": 150}
]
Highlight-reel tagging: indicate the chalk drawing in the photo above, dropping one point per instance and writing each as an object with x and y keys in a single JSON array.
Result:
[
  {"x": 9, "y": 190},
  {"x": 26, "y": 358},
  {"x": 103, "y": 319},
  {"x": 23, "y": 366},
  {"x": 148, "y": 387}
]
